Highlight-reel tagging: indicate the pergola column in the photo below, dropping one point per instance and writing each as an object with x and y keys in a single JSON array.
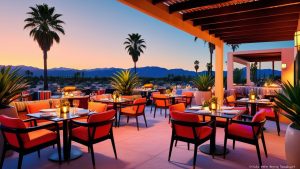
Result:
[
  {"x": 248, "y": 80},
  {"x": 219, "y": 87},
  {"x": 229, "y": 71}
]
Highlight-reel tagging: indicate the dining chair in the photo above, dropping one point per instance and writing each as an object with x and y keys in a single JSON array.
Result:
[
  {"x": 186, "y": 99},
  {"x": 134, "y": 110},
  {"x": 36, "y": 107},
  {"x": 152, "y": 101},
  {"x": 98, "y": 128},
  {"x": 187, "y": 127},
  {"x": 161, "y": 101},
  {"x": 25, "y": 140},
  {"x": 97, "y": 107},
  {"x": 104, "y": 96},
  {"x": 272, "y": 114},
  {"x": 247, "y": 132}
]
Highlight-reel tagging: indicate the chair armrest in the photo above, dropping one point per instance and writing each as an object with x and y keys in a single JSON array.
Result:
[
  {"x": 31, "y": 120},
  {"x": 30, "y": 129},
  {"x": 245, "y": 122},
  {"x": 96, "y": 124},
  {"x": 245, "y": 116}
]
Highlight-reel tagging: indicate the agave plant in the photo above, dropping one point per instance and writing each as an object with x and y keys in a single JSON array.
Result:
[
  {"x": 289, "y": 102},
  {"x": 204, "y": 82},
  {"x": 124, "y": 82},
  {"x": 11, "y": 85}
]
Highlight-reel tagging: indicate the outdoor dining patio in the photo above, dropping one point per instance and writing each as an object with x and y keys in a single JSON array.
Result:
[{"x": 149, "y": 148}]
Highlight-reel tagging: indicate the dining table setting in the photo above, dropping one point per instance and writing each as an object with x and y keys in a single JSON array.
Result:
[
  {"x": 225, "y": 112},
  {"x": 254, "y": 103}
]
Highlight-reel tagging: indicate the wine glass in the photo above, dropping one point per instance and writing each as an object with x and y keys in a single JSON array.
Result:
[
  {"x": 75, "y": 104},
  {"x": 57, "y": 106}
]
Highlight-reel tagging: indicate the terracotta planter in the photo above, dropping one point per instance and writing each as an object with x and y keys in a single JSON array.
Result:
[
  {"x": 292, "y": 148},
  {"x": 11, "y": 112},
  {"x": 201, "y": 96}
]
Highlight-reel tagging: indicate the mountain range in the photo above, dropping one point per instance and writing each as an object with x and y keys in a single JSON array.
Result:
[{"x": 148, "y": 71}]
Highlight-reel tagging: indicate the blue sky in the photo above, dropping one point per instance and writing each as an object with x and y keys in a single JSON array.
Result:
[{"x": 95, "y": 32}]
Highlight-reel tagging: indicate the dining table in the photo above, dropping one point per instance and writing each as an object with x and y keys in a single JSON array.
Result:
[
  {"x": 254, "y": 103},
  {"x": 225, "y": 112},
  {"x": 117, "y": 103},
  {"x": 174, "y": 96},
  {"x": 54, "y": 115}
]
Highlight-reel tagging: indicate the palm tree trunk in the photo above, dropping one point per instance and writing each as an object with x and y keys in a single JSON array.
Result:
[
  {"x": 134, "y": 67},
  {"x": 45, "y": 71}
]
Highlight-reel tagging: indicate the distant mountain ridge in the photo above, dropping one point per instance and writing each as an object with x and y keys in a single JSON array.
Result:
[{"x": 148, "y": 71}]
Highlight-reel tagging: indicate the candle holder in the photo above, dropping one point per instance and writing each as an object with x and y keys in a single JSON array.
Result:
[
  {"x": 213, "y": 103},
  {"x": 252, "y": 95},
  {"x": 65, "y": 106}
]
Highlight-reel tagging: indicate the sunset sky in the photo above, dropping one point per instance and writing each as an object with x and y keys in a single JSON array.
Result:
[{"x": 95, "y": 32}]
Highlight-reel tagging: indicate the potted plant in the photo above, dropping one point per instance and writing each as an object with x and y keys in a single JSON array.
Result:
[
  {"x": 124, "y": 82},
  {"x": 11, "y": 86},
  {"x": 204, "y": 84},
  {"x": 289, "y": 102}
]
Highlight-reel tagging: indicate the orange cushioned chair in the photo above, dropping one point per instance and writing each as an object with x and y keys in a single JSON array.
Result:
[
  {"x": 98, "y": 128},
  {"x": 97, "y": 107},
  {"x": 134, "y": 110},
  {"x": 180, "y": 107},
  {"x": 25, "y": 140},
  {"x": 36, "y": 107},
  {"x": 273, "y": 115},
  {"x": 161, "y": 101},
  {"x": 151, "y": 98},
  {"x": 186, "y": 99},
  {"x": 187, "y": 127},
  {"x": 247, "y": 132}
]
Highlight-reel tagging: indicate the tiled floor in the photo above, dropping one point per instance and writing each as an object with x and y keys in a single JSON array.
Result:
[{"x": 148, "y": 148}]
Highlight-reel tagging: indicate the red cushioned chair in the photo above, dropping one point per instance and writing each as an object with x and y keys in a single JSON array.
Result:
[
  {"x": 247, "y": 132},
  {"x": 134, "y": 110},
  {"x": 25, "y": 140},
  {"x": 272, "y": 113},
  {"x": 189, "y": 128},
  {"x": 186, "y": 99},
  {"x": 161, "y": 101},
  {"x": 97, "y": 129}
]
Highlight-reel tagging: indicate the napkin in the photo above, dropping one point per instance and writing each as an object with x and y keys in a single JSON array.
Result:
[{"x": 196, "y": 108}]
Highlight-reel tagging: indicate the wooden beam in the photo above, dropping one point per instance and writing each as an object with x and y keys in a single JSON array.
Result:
[
  {"x": 285, "y": 10},
  {"x": 259, "y": 33},
  {"x": 255, "y": 21},
  {"x": 154, "y": 2},
  {"x": 240, "y": 8},
  {"x": 289, "y": 28},
  {"x": 160, "y": 12},
  {"x": 185, "y": 5},
  {"x": 273, "y": 39},
  {"x": 273, "y": 26},
  {"x": 266, "y": 36}
]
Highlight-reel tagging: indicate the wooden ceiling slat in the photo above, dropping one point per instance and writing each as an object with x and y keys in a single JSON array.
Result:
[
  {"x": 193, "y": 4},
  {"x": 256, "y": 21},
  {"x": 239, "y": 8},
  {"x": 259, "y": 33},
  {"x": 154, "y": 2},
  {"x": 289, "y": 28},
  {"x": 259, "y": 25},
  {"x": 285, "y": 10},
  {"x": 272, "y": 27}
]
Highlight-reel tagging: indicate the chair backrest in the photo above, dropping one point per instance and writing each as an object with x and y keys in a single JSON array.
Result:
[
  {"x": 140, "y": 105},
  {"x": 13, "y": 123},
  {"x": 102, "y": 96},
  {"x": 97, "y": 107},
  {"x": 37, "y": 106},
  {"x": 189, "y": 97},
  {"x": 161, "y": 100},
  {"x": 230, "y": 100},
  {"x": 259, "y": 117},
  {"x": 183, "y": 130},
  {"x": 102, "y": 130},
  {"x": 180, "y": 107}
]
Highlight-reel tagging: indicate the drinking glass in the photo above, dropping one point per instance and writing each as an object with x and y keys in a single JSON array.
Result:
[{"x": 75, "y": 104}]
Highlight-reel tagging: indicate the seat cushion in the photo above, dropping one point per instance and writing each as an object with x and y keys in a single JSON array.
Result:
[
  {"x": 97, "y": 107},
  {"x": 39, "y": 137},
  {"x": 240, "y": 130},
  {"x": 128, "y": 110},
  {"x": 82, "y": 133}
]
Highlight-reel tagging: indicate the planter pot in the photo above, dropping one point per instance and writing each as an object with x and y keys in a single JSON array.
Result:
[
  {"x": 201, "y": 96},
  {"x": 11, "y": 112},
  {"x": 292, "y": 148}
]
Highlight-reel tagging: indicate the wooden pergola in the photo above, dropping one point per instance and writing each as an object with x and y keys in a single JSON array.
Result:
[{"x": 226, "y": 21}]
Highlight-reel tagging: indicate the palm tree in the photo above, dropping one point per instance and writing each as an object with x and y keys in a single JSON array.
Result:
[
  {"x": 234, "y": 47},
  {"x": 196, "y": 65},
  {"x": 211, "y": 47},
  {"x": 135, "y": 45},
  {"x": 45, "y": 26}
]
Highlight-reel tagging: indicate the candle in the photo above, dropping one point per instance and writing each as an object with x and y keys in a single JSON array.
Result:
[
  {"x": 213, "y": 106},
  {"x": 252, "y": 97},
  {"x": 65, "y": 109}
]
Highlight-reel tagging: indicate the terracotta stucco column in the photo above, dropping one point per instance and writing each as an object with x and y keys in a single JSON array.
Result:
[
  {"x": 229, "y": 71},
  {"x": 219, "y": 87}
]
